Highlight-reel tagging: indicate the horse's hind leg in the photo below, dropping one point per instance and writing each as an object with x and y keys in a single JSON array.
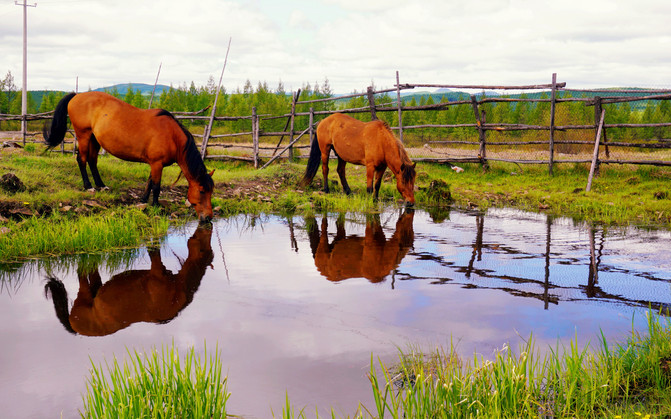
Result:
[
  {"x": 325, "y": 167},
  {"x": 341, "y": 173},
  {"x": 94, "y": 149},
  {"x": 82, "y": 169},
  {"x": 83, "y": 153}
]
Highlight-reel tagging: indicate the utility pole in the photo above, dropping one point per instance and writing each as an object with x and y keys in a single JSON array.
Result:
[{"x": 24, "y": 88}]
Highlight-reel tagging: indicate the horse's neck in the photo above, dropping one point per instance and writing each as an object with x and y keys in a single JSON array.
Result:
[{"x": 396, "y": 156}]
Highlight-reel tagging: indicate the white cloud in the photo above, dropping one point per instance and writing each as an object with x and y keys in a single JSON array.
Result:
[{"x": 589, "y": 44}]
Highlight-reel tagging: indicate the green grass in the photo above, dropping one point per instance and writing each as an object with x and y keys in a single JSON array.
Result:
[
  {"x": 157, "y": 385},
  {"x": 621, "y": 195},
  {"x": 63, "y": 235},
  {"x": 628, "y": 380}
]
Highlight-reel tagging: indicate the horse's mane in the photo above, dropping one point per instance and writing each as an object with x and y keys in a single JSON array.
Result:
[
  {"x": 408, "y": 168},
  {"x": 192, "y": 156}
]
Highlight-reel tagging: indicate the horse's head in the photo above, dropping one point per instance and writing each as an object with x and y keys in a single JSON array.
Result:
[
  {"x": 200, "y": 196},
  {"x": 405, "y": 183}
]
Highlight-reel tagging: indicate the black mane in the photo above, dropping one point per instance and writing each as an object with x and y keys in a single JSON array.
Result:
[{"x": 192, "y": 156}]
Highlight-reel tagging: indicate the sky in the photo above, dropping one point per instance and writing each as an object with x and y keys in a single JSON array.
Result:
[{"x": 87, "y": 44}]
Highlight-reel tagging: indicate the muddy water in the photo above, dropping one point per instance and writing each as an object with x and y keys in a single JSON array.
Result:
[{"x": 299, "y": 305}]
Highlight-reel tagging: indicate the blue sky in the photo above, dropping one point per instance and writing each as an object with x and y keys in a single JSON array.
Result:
[{"x": 351, "y": 43}]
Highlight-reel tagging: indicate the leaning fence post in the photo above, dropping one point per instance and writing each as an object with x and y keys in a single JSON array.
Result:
[
  {"x": 598, "y": 106},
  {"x": 399, "y": 105},
  {"x": 595, "y": 156},
  {"x": 553, "y": 101},
  {"x": 255, "y": 136},
  {"x": 479, "y": 121},
  {"x": 371, "y": 103}
]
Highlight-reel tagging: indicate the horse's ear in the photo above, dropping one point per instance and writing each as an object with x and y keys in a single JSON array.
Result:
[
  {"x": 212, "y": 172},
  {"x": 414, "y": 164}
]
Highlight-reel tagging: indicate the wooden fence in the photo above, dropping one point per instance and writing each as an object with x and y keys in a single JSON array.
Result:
[{"x": 483, "y": 151}]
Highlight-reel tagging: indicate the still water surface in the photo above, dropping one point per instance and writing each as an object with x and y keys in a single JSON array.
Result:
[{"x": 299, "y": 305}]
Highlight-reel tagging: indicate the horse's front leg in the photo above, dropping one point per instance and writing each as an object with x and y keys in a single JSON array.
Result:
[
  {"x": 156, "y": 172},
  {"x": 147, "y": 190},
  {"x": 370, "y": 175},
  {"x": 153, "y": 184},
  {"x": 379, "y": 172},
  {"x": 341, "y": 173}
]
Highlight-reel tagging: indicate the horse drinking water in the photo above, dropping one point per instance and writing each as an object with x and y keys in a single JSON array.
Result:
[
  {"x": 151, "y": 136},
  {"x": 370, "y": 144}
]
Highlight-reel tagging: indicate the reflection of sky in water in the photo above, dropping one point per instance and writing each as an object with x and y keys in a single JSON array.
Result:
[{"x": 281, "y": 326}]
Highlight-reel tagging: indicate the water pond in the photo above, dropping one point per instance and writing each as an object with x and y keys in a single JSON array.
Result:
[{"x": 298, "y": 305}]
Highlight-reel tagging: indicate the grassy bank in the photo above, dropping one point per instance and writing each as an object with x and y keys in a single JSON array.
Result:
[
  {"x": 615, "y": 381},
  {"x": 627, "y": 380},
  {"x": 38, "y": 220}
]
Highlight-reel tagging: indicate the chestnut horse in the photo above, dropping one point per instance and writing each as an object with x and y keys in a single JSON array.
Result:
[
  {"x": 372, "y": 257},
  {"x": 154, "y": 296},
  {"x": 370, "y": 144},
  {"x": 151, "y": 136}
]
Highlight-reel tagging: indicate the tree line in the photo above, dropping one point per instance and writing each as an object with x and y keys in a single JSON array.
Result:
[{"x": 274, "y": 102}]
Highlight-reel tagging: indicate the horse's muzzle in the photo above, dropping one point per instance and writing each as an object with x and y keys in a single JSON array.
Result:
[
  {"x": 204, "y": 219},
  {"x": 409, "y": 204}
]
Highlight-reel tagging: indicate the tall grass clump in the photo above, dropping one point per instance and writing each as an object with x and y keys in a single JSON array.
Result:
[
  {"x": 157, "y": 385},
  {"x": 65, "y": 235},
  {"x": 629, "y": 380}
]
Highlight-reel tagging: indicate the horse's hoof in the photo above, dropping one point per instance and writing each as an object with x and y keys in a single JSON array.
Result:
[
  {"x": 91, "y": 190},
  {"x": 104, "y": 188}
]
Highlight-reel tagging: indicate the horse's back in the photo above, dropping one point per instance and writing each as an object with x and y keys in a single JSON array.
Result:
[{"x": 123, "y": 130}]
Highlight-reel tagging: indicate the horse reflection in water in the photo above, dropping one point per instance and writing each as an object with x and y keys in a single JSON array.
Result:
[
  {"x": 372, "y": 257},
  {"x": 154, "y": 296}
]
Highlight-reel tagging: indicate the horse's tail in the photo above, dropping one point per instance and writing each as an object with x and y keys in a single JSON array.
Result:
[
  {"x": 59, "y": 125},
  {"x": 59, "y": 296},
  {"x": 313, "y": 162}
]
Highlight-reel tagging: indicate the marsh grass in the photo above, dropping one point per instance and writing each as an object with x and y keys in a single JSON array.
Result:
[
  {"x": 627, "y": 380},
  {"x": 157, "y": 385}
]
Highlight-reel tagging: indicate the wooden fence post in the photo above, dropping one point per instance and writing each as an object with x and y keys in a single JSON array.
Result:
[
  {"x": 595, "y": 156},
  {"x": 371, "y": 103},
  {"x": 291, "y": 127},
  {"x": 553, "y": 101},
  {"x": 311, "y": 133},
  {"x": 255, "y": 137},
  {"x": 479, "y": 121},
  {"x": 399, "y": 107}
]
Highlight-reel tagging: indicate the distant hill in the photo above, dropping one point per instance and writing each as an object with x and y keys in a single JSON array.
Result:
[{"x": 146, "y": 89}]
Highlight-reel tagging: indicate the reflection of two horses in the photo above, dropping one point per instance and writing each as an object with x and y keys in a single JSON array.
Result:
[
  {"x": 372, "y": 256},
  {"x": 155, "y": 295}
]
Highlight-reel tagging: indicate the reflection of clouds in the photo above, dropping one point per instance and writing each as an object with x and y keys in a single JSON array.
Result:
[{"x": 280, "y": 326}]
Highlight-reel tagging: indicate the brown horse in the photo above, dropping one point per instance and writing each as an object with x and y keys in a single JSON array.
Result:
[
  {"x": 372, "y": 257},
  {"x": 370, "y": 144},
  {"x": 154, "y": 296},
  {"x": 151, "y": 136}
]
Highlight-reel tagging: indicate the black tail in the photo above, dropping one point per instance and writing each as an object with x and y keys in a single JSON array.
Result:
[
  {"x": 313, "y": 162},
  {"x": 59, "y": 125},
  {"x": 59, "y": 295}
]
